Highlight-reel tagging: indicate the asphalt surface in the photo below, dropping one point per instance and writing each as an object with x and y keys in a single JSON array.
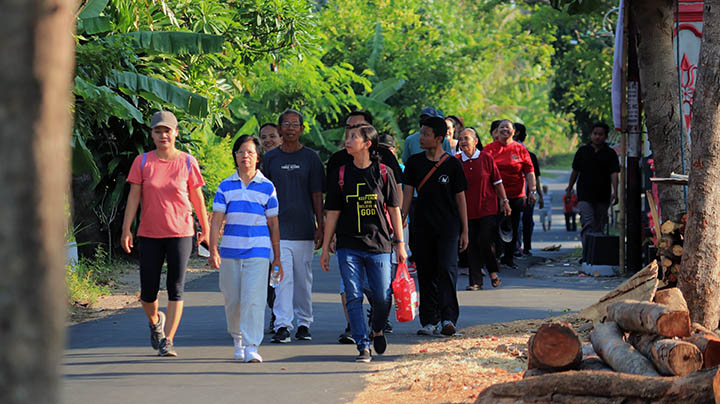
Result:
[{"x": 111, "y": 361}]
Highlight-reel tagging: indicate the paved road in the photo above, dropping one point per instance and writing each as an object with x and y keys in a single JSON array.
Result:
[{"x": 110, "y": 360}]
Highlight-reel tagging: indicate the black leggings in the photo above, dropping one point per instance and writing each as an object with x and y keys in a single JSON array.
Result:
[
  {"x": 481, "y": 249},
  {"x": 153, "y": 252}
]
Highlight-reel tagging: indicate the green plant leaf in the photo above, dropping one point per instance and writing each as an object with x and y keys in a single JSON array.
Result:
[
  {"x": 82, "y": 160},
  {"x": 386, "y": 89},
  {"x": 93, "y": 8},
  {"x": 189, "y": 102},
  {"x": 94, "y": 25},
  {"x": 177, "y": 42},
  {"x": 250, "y": 127}
]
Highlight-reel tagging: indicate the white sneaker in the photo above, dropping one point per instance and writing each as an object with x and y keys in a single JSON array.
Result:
[
  {"x": 429, "y": 329},
  {"x": 252, "y": 355},
  {"x": 239, "y": 353}
]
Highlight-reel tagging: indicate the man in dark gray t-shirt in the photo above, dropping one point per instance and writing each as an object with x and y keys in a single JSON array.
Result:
[{"x": 298, "y": 176}]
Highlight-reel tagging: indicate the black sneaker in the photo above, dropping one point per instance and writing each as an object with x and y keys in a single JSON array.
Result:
[
  {"x": 527, "y": 253},
  {"x": 380, "y": 344},
  {"x": 303, "y": 334},
  {"x": 346, "y": 337},
  {"x": 448, "y": 329},
  {"x": 364, "y": 356},
  {"x": 157, "y": 331},
  {"x": 388, "y": 328},
  {"x": 166, "y": 348},
  {"x": 282, "y": 336}
]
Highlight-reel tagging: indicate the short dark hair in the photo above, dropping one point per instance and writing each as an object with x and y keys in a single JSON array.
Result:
[
  {"x": 438, "y": 125},
  {"x": 520, "y": 132},
  {"x": 603, "y": 126},
  {"x": 266, "y": 125},
  {"x": 494, "y": 125},
  {"x": 290, "y": 111},
  {"x": 365, "y": 114},
  {"x": 245, "y": 139}
]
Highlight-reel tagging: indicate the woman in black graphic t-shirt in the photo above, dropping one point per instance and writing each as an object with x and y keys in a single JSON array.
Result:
[{"x": 358, "y": 195}]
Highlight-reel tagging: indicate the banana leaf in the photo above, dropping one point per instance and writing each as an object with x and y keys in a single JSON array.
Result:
[
  {"x": 175, "y": 42},
  {"x": 190, "y": 102},
  {"x": 93, "y": 8}
]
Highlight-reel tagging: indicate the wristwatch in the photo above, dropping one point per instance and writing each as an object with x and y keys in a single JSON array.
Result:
[
  {"x": 533, "y": 193},
  {"x": 506, "y": 200},
  {"x": 396, "y": 241}
]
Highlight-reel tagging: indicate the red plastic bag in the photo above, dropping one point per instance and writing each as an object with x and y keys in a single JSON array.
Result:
[{"x": 406, "y": 300}]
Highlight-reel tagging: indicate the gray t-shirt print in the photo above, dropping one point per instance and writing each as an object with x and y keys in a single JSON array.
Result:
[{"x": 295, "y": 176}]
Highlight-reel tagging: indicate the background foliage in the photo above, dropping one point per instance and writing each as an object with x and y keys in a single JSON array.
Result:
[{"x": 224, "y": 67}]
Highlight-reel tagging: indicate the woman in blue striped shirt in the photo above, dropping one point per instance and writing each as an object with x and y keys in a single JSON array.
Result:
[{"x": 247, "y": 203}]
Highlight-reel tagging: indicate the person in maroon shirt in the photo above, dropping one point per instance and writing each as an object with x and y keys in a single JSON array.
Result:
[
  {"x": 481, "y": 197},
  {"x": 515, "y": 167}
]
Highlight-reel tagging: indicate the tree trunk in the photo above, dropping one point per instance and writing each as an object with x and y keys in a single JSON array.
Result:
[
  {"x": 607, "y": 340},
  {"x": 605, "y": 388},
  {"x": 671, "y": 357},
  {"x": 699, "y": 280},
  {"x": 554, "y": 347},
  {"x": 658, "y": 85},
  {"x": 650, "y": 318},
  {"x": 36, "y": 68}
]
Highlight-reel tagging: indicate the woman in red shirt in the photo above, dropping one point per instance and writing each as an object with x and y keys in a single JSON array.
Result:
[
  {"x": 513, "y": 161},
  {"x": 168, "y": 183},
  {"x": 481, "y": 198}
]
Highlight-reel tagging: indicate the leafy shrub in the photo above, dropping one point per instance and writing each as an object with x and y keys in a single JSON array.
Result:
[{"x": 89, "y": 278}]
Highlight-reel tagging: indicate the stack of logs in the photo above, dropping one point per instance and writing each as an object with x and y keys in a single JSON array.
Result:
[
  {"x": 670, "y": 249},
  {"x": 643, "y": 341}
]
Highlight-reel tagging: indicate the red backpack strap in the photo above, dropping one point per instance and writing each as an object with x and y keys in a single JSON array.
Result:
[
  {"x": 341, "y": 177},
  {"x": 383, "y": 172}
]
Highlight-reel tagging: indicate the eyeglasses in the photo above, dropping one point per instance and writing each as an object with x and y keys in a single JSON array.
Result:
[
  {"x": 294, "y": 125},
  {"x": 245, "y": 152}
]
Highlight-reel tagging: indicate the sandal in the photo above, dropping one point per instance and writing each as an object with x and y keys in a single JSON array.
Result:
[
  {"x": 495, "y": 282},
  {"x": 473, "y": 287}
]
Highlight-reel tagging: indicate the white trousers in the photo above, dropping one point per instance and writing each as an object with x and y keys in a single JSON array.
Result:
[
  {"x": 243, "y": 282},
  {"x": 293, "y": 296}
]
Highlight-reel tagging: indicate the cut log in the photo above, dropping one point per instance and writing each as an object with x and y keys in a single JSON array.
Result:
[
  {"x": 677, "y": 250},
  {"x": 671, "y": 357},
  {"x": 607, "y": 340},
  {"x": 665, "y": 242},
  {"x": 672, "y": 298},
  {"x": 709, "y": 345},
  {"x": 605, "y": 388},
  {"x": 669, "y": 226},
  {"x": 650, "y": 318},
  {"x": 640, "y": 286},
  {"x": 666, "y": 262},
  {"x": 554, "y": 347},
  {"x": 697, "y": 327},
  {"x": 591, "y": 360}
]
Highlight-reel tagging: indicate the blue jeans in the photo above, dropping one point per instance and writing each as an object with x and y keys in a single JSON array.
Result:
[{"x": 356, "y": 268}]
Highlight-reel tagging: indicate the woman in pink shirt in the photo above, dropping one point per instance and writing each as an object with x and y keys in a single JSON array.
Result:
[{"x": 168, "y": 183}]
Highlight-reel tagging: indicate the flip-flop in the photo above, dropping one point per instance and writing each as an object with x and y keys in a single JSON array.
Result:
[
  {"x": 473, "y": 287},
  {"x": 495, "y": 282}
]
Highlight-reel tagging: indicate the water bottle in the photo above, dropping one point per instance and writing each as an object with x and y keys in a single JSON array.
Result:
[{"x": 275, "y": 276}]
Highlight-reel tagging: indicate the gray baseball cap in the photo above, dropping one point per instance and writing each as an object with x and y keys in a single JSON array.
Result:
[{"x": 163, "y": 118}]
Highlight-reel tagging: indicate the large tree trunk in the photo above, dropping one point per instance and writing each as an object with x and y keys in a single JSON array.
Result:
[
  {"x": 698, "y": 279},
  {"x": 658, "y": 82},
  {"x": 36, "y": 67}
]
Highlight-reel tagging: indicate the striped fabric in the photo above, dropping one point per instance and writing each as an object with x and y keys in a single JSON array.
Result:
[{"x": 246, "y": 211}]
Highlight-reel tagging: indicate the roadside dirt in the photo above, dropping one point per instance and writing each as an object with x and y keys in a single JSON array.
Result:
[
  {"x": 126, "y": 292},
  {"x": 456, "y": 370}
]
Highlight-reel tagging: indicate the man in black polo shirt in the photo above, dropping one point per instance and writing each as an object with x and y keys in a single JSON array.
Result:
[
  {"x": 596, "y": 168},
  {"x": 439, "y": 229}
]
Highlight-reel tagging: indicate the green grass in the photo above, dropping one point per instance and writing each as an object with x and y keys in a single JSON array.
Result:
[
  {"x": 558, "y": 162},
  {"x": 89, "y": 278}
]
